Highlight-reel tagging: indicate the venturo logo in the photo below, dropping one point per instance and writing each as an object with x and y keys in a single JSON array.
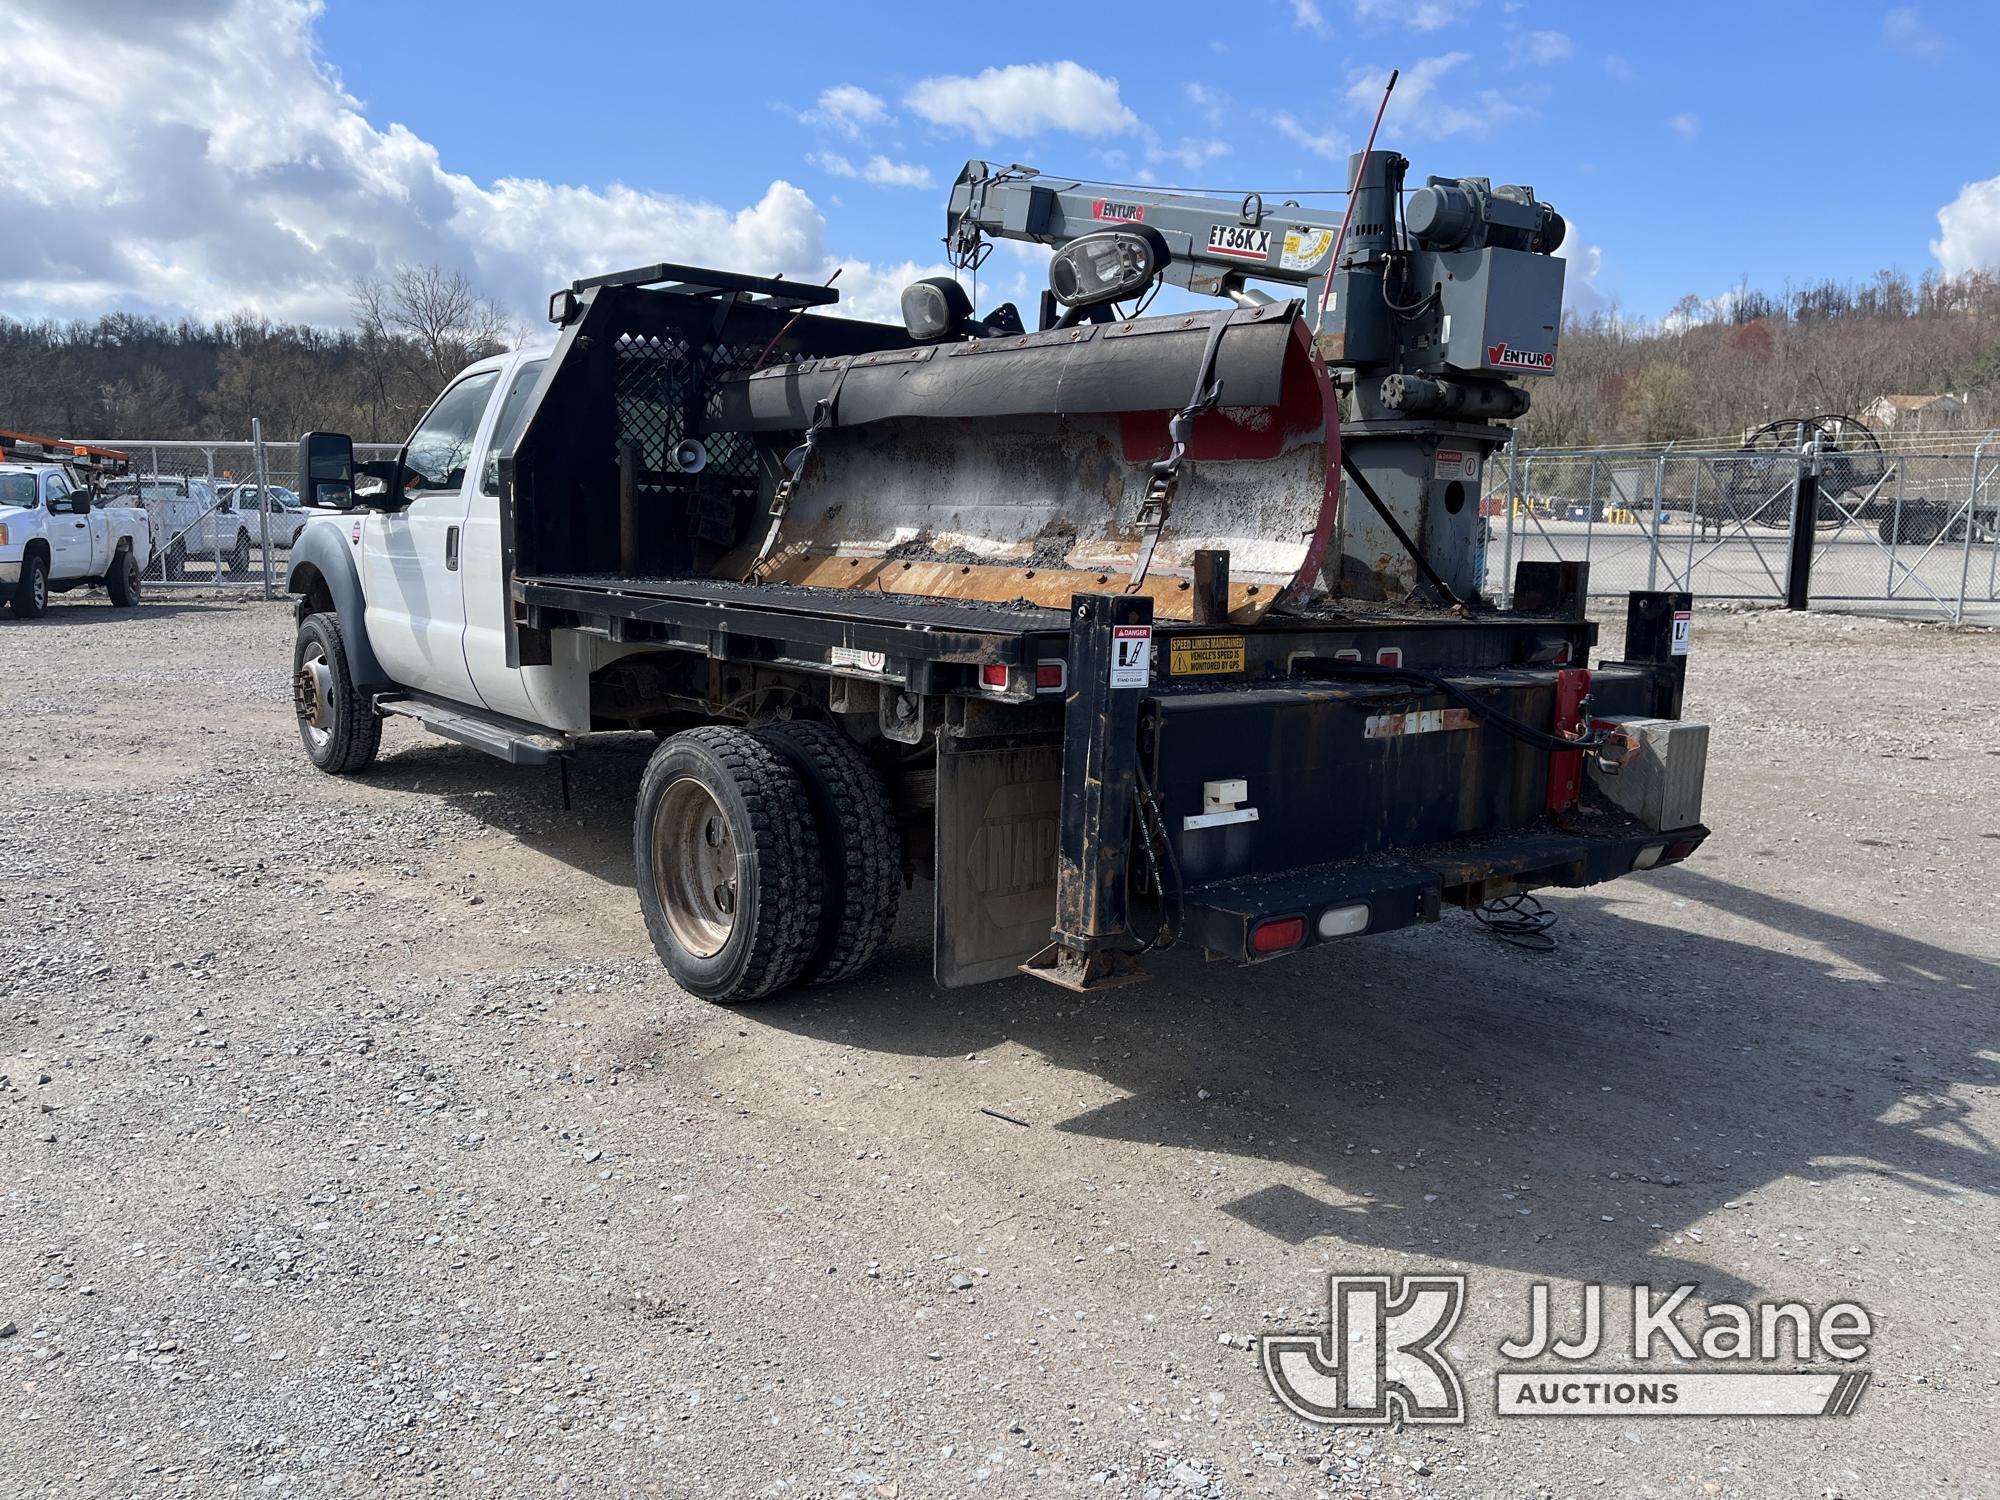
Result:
[
  {"x": 1379, "y": 1359},
  {"x": 1508, "y": 357}
]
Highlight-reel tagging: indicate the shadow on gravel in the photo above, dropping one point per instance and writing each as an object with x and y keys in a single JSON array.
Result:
[
  {"x": 96, "y": 611},
  {"x": 1696, "y": 1068},
  {"x": 1436, "y": 1061}
]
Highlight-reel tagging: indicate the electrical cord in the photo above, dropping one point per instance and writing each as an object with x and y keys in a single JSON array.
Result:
[
  {"x": 1520, "y": 920},
  {"x": 1528, "y": 734}
]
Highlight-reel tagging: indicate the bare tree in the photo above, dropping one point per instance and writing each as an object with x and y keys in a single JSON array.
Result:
[{"x": 416, "y": 330}]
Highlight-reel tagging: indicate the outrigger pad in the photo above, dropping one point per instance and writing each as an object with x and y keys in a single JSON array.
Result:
[{"x": 1014, "y": 469}]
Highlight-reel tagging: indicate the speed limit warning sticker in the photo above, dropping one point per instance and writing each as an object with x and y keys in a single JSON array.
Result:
[
  {"x": 1131, "y": 655},
  {"x": 1683, "y": 630}
]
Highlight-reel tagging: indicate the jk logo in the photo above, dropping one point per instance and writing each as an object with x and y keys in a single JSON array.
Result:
[{"x": 1380, "y": 1357}]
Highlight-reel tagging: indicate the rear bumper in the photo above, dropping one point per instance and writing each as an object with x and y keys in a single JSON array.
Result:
[{"x": 1413, "y": 887}]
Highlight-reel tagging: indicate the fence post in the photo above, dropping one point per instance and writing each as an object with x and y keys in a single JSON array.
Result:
[
  {"x": 214, "y": 524},
  {"x": 1971, "y": 517},
  {"x": 1805, "y": 526},
  {"x": 1513, "y": 500},
  {"x": 263, "y": 497},
  {"x": 1659, "y": 513}
]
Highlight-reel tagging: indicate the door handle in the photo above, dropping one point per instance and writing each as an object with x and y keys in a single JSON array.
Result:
[{"x": 451, "y": 549}]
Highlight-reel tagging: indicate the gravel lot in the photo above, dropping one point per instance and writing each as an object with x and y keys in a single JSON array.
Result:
[{"x": 353, "y": 1141}]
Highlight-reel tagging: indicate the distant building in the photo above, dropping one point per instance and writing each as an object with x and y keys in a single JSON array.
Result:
[{"x": 1915, "y": 413}]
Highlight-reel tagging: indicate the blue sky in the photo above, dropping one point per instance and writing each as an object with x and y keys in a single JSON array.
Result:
[
  {"x": 262, "y": 154},
  {"x": 1692, "y": 143}
]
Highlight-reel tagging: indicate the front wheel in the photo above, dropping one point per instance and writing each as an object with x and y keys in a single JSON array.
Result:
[
  {"x": 31, "y": 594},
  {"x": 728, "y": 864},
  {"x": 339, "y": 728}
]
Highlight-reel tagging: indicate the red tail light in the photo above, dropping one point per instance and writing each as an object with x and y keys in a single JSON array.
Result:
[
  {"x": 994, "y": 675},
  {"x": 1049, "y": 674},
  {"x": 1276, "y": 934}
]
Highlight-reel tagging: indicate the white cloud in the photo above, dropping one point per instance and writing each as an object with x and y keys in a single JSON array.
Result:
[
  {"x": 1419, "y": 106},
  {"x": 1308, "y": 15},
  {"x": 847, "y": 108},
  {"x": 1213, "y": 103},
  {"x": 205, "y": 163},
  {"x": 1022, "y": 99},
  {"x": 1687, "y": 127},
  {"x": 1581, "y": 266},
  {"x": 1330, "y": 143},
  {"x": 1540, "y": 48},
  {"x": 1189, "y": 154},
  {"x": 1904, "y": 29},
  {"x": 878, "y": 170},
  {"x": 1421, "y": 15},
  {"x": 1969, "y": 229}
]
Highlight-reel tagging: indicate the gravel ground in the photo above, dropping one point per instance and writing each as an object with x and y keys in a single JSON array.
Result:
[{"x": 354, "y": 1142}]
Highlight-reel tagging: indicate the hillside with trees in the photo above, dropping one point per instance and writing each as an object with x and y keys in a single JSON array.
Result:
[
  {"x": 1707, "y": 371},
  {"x": 1716, "y": 370},
  {"x": 131, "y": 377}
]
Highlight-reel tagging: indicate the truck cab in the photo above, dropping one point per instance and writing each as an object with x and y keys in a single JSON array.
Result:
[{"x": 55, "y": 535}]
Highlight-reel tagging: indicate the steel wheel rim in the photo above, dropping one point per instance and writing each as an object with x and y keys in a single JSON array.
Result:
[
  {"x": 40, "y": 591},
  {"x": 133, "y": 582},
  {"x": 312, "y": 694},
  {"x": 694, "y": 867}
]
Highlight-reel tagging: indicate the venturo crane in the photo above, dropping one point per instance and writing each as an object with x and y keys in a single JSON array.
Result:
[{"x": 1432, "y": 312}]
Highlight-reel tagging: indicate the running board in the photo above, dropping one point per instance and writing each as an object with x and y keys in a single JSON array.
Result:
[{"x": 507, "y": 739}]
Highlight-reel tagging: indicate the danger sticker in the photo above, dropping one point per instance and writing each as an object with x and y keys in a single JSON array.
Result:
[
  {"x": 1303, "y": 248},
  {"x": 1131, "y": 655},
  {"x": 1205, "y": 655},
  {"x": 1683, "y": 631},
  {"x": 1239, "y": 240},
  {"x": 848, "y": 656},
  {"x": 1456, "y": 463},
  {"x": 1111, "y": 211}
]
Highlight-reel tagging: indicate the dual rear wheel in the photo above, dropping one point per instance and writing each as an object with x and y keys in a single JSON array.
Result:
[{"x": 765, "y": 858}]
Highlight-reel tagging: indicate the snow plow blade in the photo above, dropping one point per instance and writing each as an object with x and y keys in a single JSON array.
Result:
[{"x": 1015, "y": 468}]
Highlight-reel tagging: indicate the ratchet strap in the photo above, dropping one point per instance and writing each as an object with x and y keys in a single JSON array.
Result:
[
  {"x": 1166, "y": 475},
  {"x": 823, "y": 417}
]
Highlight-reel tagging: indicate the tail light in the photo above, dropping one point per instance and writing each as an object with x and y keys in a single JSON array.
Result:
[
  {"x": 993, "y": 675},
  {"x": 1051, "y": 676},
  {"x": 1276, "y": 934}
]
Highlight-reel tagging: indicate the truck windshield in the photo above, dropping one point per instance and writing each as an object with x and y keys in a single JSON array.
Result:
[{"x": 17, "y": 489}]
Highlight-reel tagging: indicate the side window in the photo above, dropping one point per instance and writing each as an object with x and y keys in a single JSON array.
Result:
[
  {"x": 58, "y": 488},
  {"x": 507, "y": 431},
  {"x": 441, "y": 446},
  {"x": 18, "y": 490}
]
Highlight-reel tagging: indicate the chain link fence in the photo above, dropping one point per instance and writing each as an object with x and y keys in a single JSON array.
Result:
[
  {"x": 224, "y": 514},
  {"x": 1899, "y": 532}
]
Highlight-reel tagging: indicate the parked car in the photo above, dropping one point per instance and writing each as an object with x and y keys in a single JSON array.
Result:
[
  {"x": 288, "y": 512},
  {"x": 196, "y": 520},
  {"x": 53, "y": 539}
]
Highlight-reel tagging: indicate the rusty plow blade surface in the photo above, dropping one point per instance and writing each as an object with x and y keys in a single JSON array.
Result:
[{"x": 1014, "y": 470}]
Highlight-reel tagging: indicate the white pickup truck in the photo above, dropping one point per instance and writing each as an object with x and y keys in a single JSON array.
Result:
[{"x": 53, "y": 537}]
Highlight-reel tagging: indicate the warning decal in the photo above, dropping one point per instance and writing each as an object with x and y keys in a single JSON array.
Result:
[
  {"x": 1304, "y": 247},
  {"x": 1131, "y": 655},
  {"x": 1683, "y": 631},
  {"x": 1240, "y": 241},
  {"x": 1456, "y": 463},
  {"x": 1205, "y": 655}
]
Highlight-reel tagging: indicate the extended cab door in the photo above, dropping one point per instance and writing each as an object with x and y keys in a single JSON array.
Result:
[{"x": 410, "y": 557}]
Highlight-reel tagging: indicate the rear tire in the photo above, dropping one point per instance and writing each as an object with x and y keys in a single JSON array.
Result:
[
  {"x": 338, "y": 726},
  {"x": 728, "y": 864},
  {"x": 122, "y": 582},
  {"x": 31, "y": 593},
  {"x": 860, "y": 850}
]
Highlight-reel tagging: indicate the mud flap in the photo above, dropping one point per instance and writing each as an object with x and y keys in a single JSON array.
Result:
[{"x": 997, "y": 831}]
